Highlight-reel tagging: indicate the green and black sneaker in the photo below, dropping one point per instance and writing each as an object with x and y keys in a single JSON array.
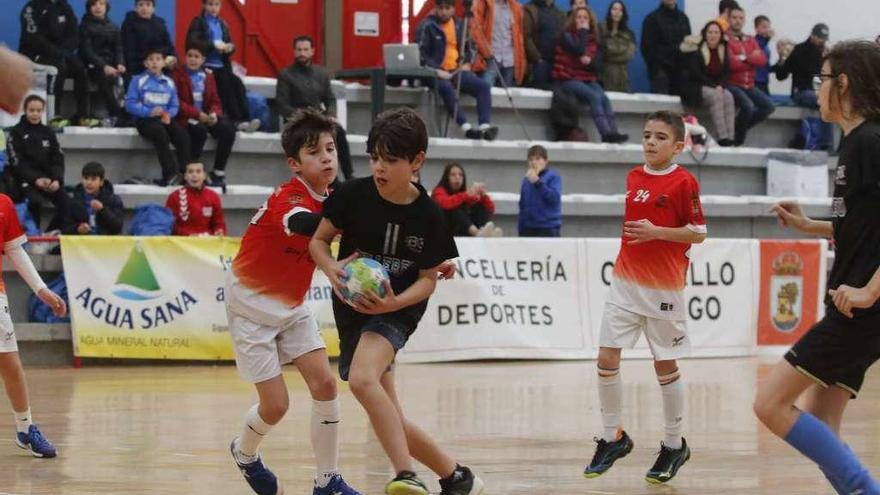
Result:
[
  {"x": 669, "y": 461},
  {"x": 607, "y": 453},
  {"x": 406, "y": 483}
]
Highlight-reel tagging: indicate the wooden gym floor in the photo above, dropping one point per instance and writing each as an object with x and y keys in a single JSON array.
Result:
[{"x": 526, "y": 428}]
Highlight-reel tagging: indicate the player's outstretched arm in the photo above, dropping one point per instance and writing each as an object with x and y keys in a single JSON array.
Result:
[
  {"x": 28, "y": 272},
  {"x": 790, "y": 214}
]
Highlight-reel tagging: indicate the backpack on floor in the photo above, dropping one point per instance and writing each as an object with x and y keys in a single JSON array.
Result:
[
  {"x": 565, "y": 113},
  {"x": 40, "y": 312},
  {"x": 809, "y": 137},
  {"x": 258, "y": 107},
  {"x": 151, "y": 219}
]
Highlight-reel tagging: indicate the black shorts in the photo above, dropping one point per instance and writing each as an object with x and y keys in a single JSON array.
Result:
[
  {"x": 838, "y": 350},
  {"x": 394, "y": 327}
]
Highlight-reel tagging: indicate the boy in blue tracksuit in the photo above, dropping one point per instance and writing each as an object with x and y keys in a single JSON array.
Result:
[
  {"x": 152, "y": 101},
  {"x": 540, "y": 198},
  {"x": 763, "y": 35}
]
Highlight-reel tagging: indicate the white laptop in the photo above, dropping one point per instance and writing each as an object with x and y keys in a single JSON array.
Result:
[{"x": 402, "y": 56}]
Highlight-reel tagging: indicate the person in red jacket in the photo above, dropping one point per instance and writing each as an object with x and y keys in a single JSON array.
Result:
[
  {"x": 468, "y": 210},
  {"x": 201, "y": 112},
  {"x": 197, "y": 210},
  {"x": 745, "y": 56}
]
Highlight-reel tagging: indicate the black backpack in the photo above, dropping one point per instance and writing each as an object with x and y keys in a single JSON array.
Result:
[{"x": 565, "y": 113}]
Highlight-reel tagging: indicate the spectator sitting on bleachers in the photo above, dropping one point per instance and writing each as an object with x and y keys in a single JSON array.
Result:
[
  {"x": 442, "y": 48},
  {"x": 496, "y": 29},
  {"x": 543, "y": 21},
  {"x": 201, "y": 112},
  {"x": 803, "y": 63},
  {"x": 94, "y": 208},
  {"x": 37, "y": 161},
  {"x": 100, "y": 47},
  {"x": 303, "y": 85},
  {"x": 49, "y": 36},
  {"x": 152, "y": 100},
  {"x": 576, "y": 68},
  {"x": 745, "y": 57},
  {"x": 662, "y": 33},
  {"x": 209, "y": 30},
  {"x": 620, "y": 48},
  {"x": 540, "y": 197},
  {"x": 724, "y": 8},
  {"x": 197, "y": 209},
  {"x": 763, "y": 34},
  {"x": 468, "y": 210},
  {"x": 142, "y": 30},
  {"x": 708, "y": 69}
]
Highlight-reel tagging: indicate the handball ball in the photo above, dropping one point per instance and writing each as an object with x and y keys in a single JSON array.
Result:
[{"x": 363, "y": 275}]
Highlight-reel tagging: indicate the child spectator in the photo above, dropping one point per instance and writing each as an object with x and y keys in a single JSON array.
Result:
[
  {"x": 94, "y": 208},
  {"x": 745, "y": 56},
  {"x": 197, "y": 209},
  {"x": 37, "y": 161},
  {"x": 143, "y": 31},
  {"x": 468, "y": 210},
  {"x": 100, "y": 47},
  {"x": 212, "y": 32},
  {"x": 49, "y": 37},
  {"x": 540, "y": 197},
  {"x": 497, "y": 31},
  {"x": 763, "y": 34},
  {"x": 620, "y": 48},
  {"x": 152, "y": 100},
  {"x": 201, "y": 112},
  {"x": 708, "y": 69}
]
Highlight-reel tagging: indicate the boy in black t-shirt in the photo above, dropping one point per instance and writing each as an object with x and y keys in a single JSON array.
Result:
[{"x": 394, "y": 221}]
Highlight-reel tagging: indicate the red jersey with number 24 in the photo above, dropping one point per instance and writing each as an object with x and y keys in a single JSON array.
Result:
[
  {"x": 10, "y": 229},
  {"x": 649, "y": 278}
]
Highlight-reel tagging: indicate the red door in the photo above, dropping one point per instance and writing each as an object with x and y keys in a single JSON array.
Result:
[{"x": 367, "y": 25}]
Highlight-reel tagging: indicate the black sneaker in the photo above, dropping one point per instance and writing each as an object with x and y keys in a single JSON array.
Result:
[
  {"x": 607, "y": 453},
  {"x": 490, "y": 133},
  {"x": 668, "y": 463},
  {"x": 475, "y": 134},
  {"x": 462, "y": 482},
  {"x": 217, "y": 181}
]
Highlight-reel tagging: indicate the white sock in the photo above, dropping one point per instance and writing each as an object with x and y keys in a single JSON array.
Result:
[
  {"x": 219, "y": 173},
  {"x": 23, "y": 421},
  {"x": 325, "y": 439},
  {"x": 610, "y": 399},
  {"x": 673, "y": 408},
  {"x": 466, "y": 126},
  {"x": 483, "y": 127},
  {"x": 255, "y": 429}
]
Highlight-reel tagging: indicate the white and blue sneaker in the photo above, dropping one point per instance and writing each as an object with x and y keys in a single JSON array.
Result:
[
  {"x": 36, "y": 443},
  {"x": 258, "y": 476},
  {"x": 336, "y": 486}
]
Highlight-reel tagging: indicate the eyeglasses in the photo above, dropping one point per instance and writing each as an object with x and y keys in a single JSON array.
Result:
[{"x": 818, "y": 79}]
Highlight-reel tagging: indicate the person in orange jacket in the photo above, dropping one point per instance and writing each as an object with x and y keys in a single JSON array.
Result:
[
  {"x": 197, "y": 209},
  {"x": 497, "y": 30}
]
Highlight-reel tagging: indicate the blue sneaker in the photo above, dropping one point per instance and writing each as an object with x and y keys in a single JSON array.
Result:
[
  {"x": 258, "y": 476},
  {"x": 34, "y": 441},
  {"x": 337, "y": 486}
]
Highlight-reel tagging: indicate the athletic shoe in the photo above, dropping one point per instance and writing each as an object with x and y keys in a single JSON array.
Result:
[
  {"x": 463, "y": 482},
  {"x": 668, "y": 463},
  {"x": 406, "y": 483},
  {"x": 217, "y": 181},
  {"x": 175, "y": 180},
  {"x": 607, "y": 453},
  {"x": 474, "y": 134},
  {"x": 249, "y": 126},
  {"x": 89, "y": 122},
  {"x": 59, "y": 123},
  {"x": 34, "y": 441},
  {"x": 258, "y": 476},
  {"x": 487, "y": 230},
  {"x": 490, "y": 133},
  {"x": 337, "y": 486}
]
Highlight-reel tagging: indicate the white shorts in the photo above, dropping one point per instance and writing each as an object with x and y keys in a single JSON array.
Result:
[
  {"x": 621, "y": 329},
  {"x": 7, "y": 332},
  {"x": 266, "y": 335}
]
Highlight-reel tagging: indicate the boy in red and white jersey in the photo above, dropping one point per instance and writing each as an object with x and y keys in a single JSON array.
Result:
[
  {"x": 269, "y": 324},
  {"x": 663, "y": 218}
]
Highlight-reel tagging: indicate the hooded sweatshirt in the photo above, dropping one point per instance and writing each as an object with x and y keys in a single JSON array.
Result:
[{"x": 140, "y": 35}]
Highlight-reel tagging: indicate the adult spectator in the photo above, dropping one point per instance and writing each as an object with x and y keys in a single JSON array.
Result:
[
  {"x": 804, "y": 62},
  {"x": 201, "y": 112},
  {"x": 442, "y": 47},
  {"x": 37, "y": 161},
  {"x": 197, "y": 209},
  {"x": 142, "y": 30},
  {"x": 576, "y": 68},
  {"x": 540, "y": 197},
  {"x": 543, "y": 21},
  {"x": 745, "y": 57},
  {"x": 662, "y": 33},
  {"x": 708, "y": 69},
  {"x": 496, "y": 29},
  {"x": 49, "y": 36},
  {"x": 468, "y": 210},
  {"x": 304, "y": 85},
  {"x": 724, "y": 8},
  {"x": 100, "y": 47},
  {"x": 763, "y": 34},
  {"x": 94, "y": 208},
  {"x": 620, "y": 47},
  {"x": 212, "y": 32}
]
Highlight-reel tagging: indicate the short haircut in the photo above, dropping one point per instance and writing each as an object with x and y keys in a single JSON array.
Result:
[
  {"x": 305, "y": 130},
  {"x": 93, "y": 169},
  {"x": 441, "y": 3},
  {"x": 398, "y": 133},
  {"x": 197, "y": 45},
  {"x": 300, "y": 39},
  {"x": 737, "y": 9},
  {"x": 151, "y": 1},
  {"x": 89, "y": 4},
  {"x": 725, "y": 5},
  {"x": 31, "y": 98},
  {"x": 672, "y": 119},
  {"x": 537, "y": 151},
  {"x": 194, "y": 163},
  {"x": 154, "y": 49},
  {"x": 760, "y": 19}
]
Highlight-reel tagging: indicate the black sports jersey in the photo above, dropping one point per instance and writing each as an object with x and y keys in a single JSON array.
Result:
[
  {"x": 856, "y": 211},
  {"x": 404, "y": 238}
]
